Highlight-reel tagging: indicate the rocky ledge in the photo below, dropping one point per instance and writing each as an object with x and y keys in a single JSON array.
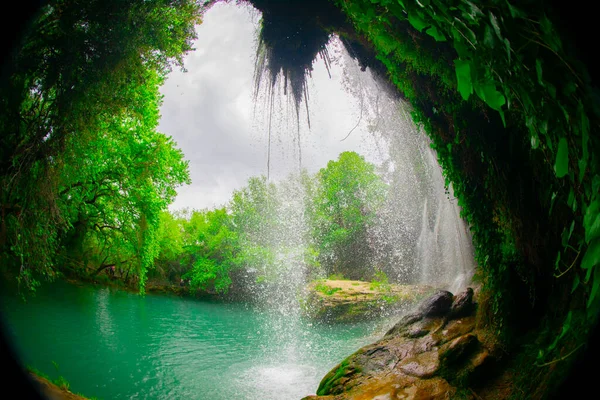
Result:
[
  {"x": 335, "y": 301},
  {"x": 418, "y": 358}
]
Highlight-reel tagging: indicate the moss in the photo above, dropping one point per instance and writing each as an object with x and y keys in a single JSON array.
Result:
[{"x": 329, "y": 382}]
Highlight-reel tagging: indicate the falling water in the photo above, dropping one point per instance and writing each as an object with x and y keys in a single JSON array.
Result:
[{"x": 419, "y": 237}]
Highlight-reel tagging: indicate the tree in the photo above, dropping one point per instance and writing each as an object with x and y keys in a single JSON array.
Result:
[
  {"x": 114, "y": 183},
  {"x": 76, "y": 76},
  {"x": 213, "y": 252},
  {"x": 345, "y": 205},
  {"x": 254, "y": 217}
]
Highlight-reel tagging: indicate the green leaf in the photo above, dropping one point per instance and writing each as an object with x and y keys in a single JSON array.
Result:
[
  {"x": 585, "y": 132},
  {"x": 571, "y": 198},
  {"x": 592, "y": 255},
  {"x": 552, "y": 202},
  {"x": 595, "y": 286},
  {"x": 416, "y": 20},
  {"x": 515, "y": 12},
  {"x": 463, "y": 77},
  {"x": 591, "y": 221},
  {"x": 538, "y": 70},
  {"x": 507, "y": 44},
  {"x": 496, "y": 26},
  {"x": 575, "y": 283},
  {"x": 492, "y": 97},
  {"x": 488, "y": 38},
  {"x": 565, "y": 328},
  {"x": 561, "y": 166},
  {"x": 467, "y": 32},
  {"x": 436, "y": 34},
  {"x": 502, "y": 117}
]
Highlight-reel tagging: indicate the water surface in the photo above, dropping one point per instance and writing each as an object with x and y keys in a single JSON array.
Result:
[{"x": 112, "y": 344}]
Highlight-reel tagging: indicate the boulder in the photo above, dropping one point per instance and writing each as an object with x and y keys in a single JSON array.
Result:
[
  {"x": 418, "y": 358},
  {"x": 438, "y": 304},
  {"x": 462, "y": 304}
]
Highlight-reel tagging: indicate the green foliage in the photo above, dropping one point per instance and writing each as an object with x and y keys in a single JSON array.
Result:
[
  {"x": 346, "y": 201},
  {"x": 502, "y": 53},
  {"x": 84, "y": 174},
  {"x": 326, "y": 289},
  {"x": 213, "y": 251},
  {"x": 380, "y": 282}
]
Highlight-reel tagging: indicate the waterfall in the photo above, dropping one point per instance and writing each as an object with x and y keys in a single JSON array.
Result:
[{"x": 418, "y": 236}]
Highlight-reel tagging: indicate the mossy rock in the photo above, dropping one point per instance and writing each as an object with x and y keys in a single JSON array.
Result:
[{"x": 340, "y": 301}]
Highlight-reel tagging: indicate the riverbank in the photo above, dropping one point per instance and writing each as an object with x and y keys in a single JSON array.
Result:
[
  {"x": 52, "y": 391},
  {"x": 340, "y": 301}
]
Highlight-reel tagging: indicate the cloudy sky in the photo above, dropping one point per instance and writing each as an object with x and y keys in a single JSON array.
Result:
[{"x": 212, "y": 115}]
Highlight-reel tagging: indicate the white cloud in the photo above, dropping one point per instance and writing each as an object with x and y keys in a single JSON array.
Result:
[{"x": 210, "y": 112}]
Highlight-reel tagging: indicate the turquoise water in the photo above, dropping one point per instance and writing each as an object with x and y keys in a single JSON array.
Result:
[{"x": 112, "y": 344}]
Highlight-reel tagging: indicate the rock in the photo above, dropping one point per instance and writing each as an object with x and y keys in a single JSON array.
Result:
[
  {"x": 430, "y": 389},
  {"x": 417, "y": 358},
  {"x": 404, "y": 322},
  {"x": 459, "y": 348},
  {"x": 437, "y": 304},
  {"x": 333, "y": 301},
  {"x": 455, "y": 328},
  {"x": 462, "y": 304},
  {"x": 423, "y": 365}
]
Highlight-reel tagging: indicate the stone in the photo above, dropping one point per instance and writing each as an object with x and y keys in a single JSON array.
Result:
[
  {"x": 404, "y": 322},
  {"x": 459, "y": 348},
  {"x": 423, "y": 365},
  {"x": 438, "y": 304},
  {"x": 462, "y": 304}
]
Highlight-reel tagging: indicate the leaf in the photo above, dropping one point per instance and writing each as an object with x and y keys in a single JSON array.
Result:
[
  {"x": 436, "y": 34},
  {"x": 502, "y": 117},
  {"x": 496, "y": 26},
  {"x": 565, "y": 328},
  {"x": 538, "y": 70},
  {"x": 585, "y": 132},
  {"x": 507, "y": 44},
  {"x": 552, "y": 202},
  {"x": 488, "y": 38},
  {"x": 591, "y": 221},
  {"x": 575, "y": 283},
  {"x": 467, "y": 32},
  {"x": 592, "y": 255},
  {"x": 582, "y": 164},
  {"x": 463, "y": 77},
  {"x": 595, "y": 286},
  {"x": 571, "y": 198},
  {"x": 561, "y": 166},
  {"x": 515, "y": 12},
  {"x": 492, "y": 97},
  {"x": 417, "y": 21}
]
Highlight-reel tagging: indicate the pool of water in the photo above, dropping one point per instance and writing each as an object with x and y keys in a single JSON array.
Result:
[{"x": 111, "y": 344}]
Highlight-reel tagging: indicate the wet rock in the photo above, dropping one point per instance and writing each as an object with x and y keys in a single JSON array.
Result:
[
  {"x": 459, "y": 348},
  {"x": 404, "y": 323},
  {"x": 417, "y": 358},
  {"x": 437, "y": 304},
  {"x": 423, "y": 365},
  {"x": 431, "y": 389},
  {"x": 377, "y": 359},
  {"x": 462, "y": 304},
  {"x": 455, "y": 328}
]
